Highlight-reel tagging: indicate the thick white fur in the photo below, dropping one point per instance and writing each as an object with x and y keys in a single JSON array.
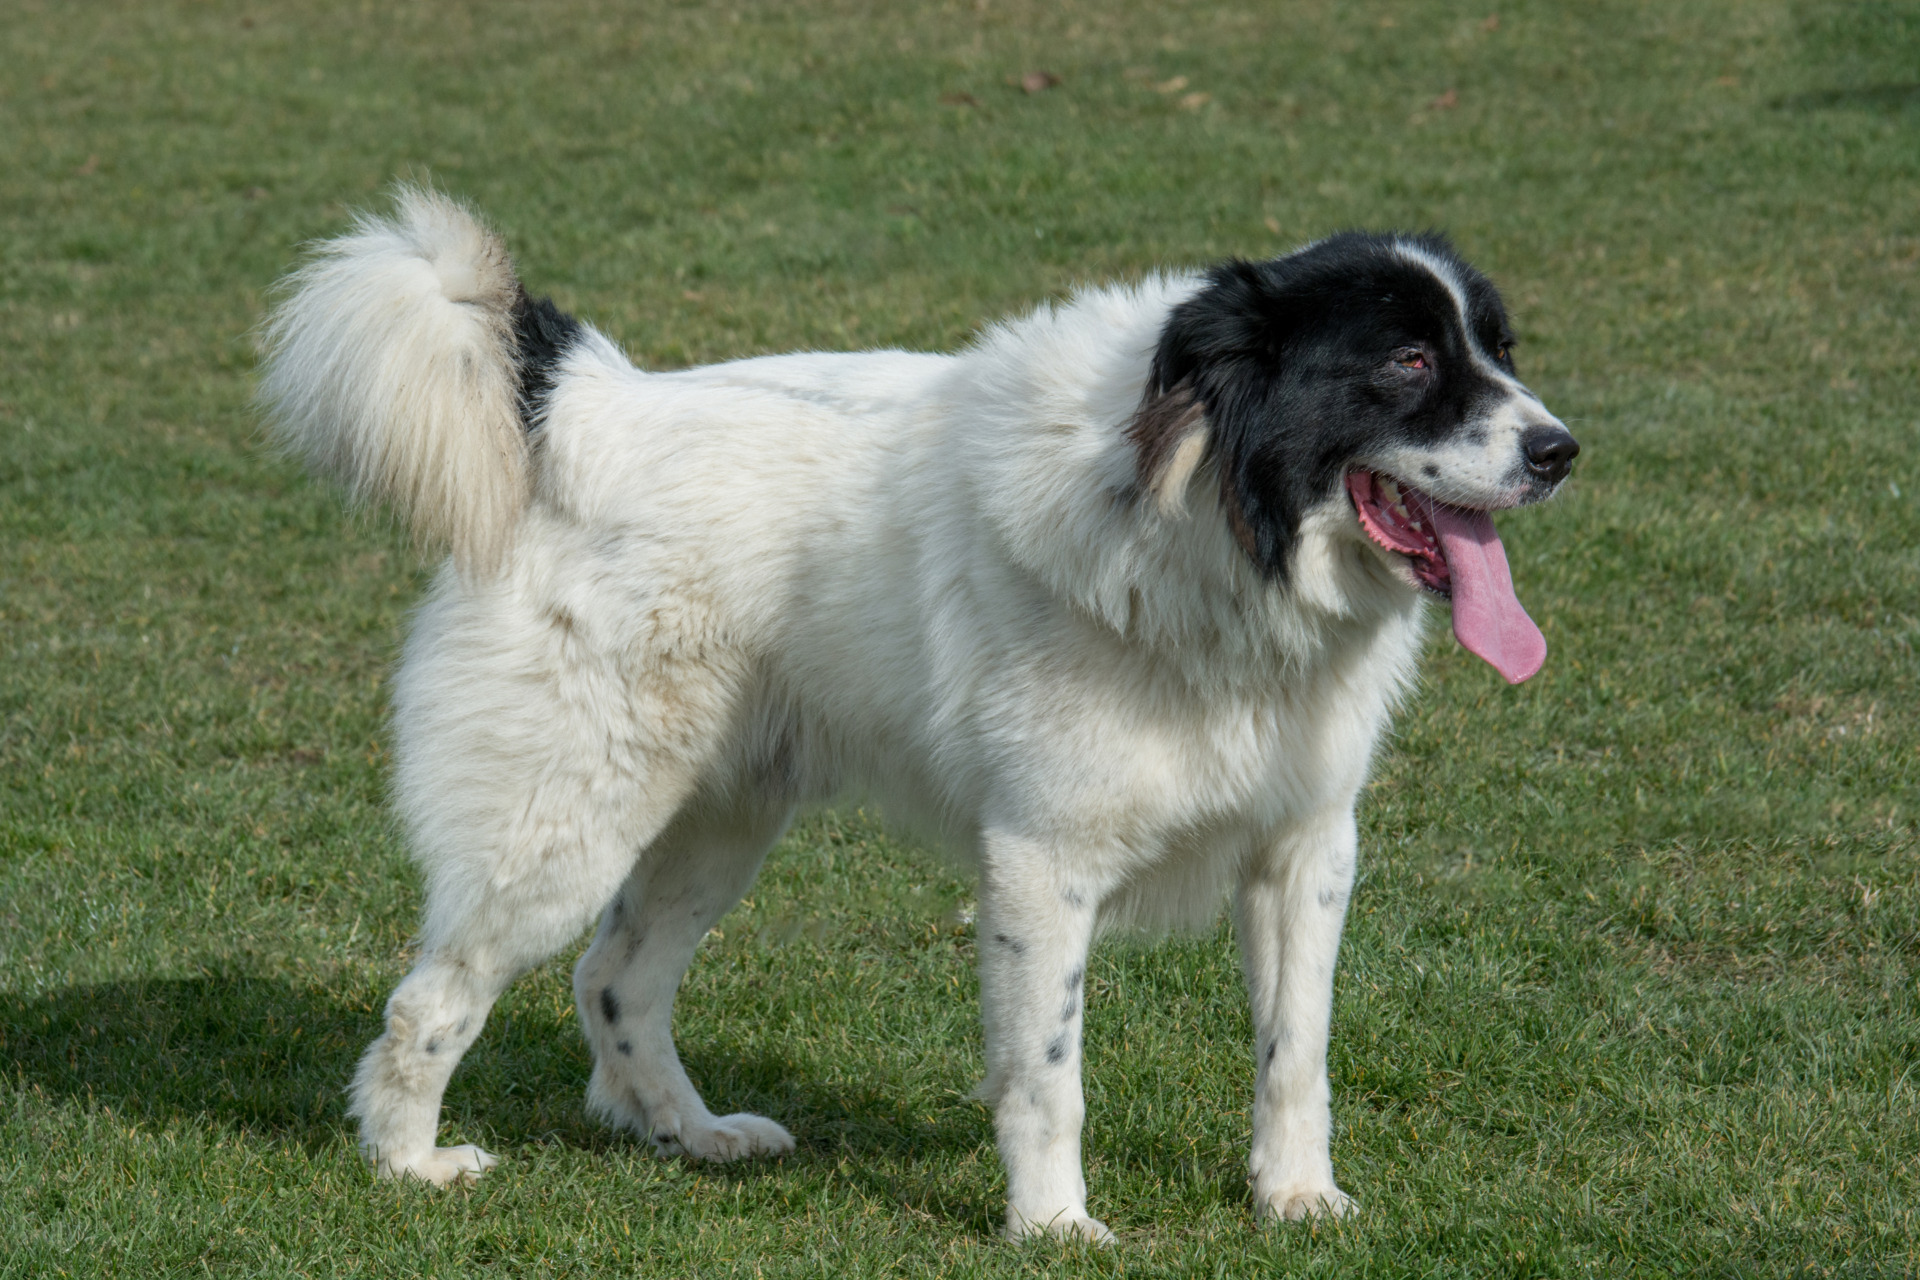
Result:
[
  {"x": 387, "y": 374},
  {"x": 927, "y": 580}
]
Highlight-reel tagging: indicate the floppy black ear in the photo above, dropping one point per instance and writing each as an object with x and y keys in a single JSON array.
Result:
[{"x": 1225, "y": 352}]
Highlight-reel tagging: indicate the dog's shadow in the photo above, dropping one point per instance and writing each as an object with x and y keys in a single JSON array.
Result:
[
  {"x": 1891, "y": 96},
  {"x": 870, "y": 1133},
  {"x": 271, "y": 1059},
  {"x": 265, "y": 1057}
]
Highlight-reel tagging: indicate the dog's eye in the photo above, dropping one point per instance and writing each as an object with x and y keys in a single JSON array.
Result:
[{"x": 1410, "y": 358}]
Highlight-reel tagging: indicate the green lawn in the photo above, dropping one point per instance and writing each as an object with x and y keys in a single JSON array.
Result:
[{"x": 1629, "y": 986}]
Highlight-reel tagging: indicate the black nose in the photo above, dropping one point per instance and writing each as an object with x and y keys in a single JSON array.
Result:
[{"x": 1550, "y": 452}]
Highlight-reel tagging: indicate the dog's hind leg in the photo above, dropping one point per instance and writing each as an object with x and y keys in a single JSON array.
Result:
[
  {"x": 1288, "y": 913},
  {"x": 480, "y": 935},
  {"x": 432, "y": 1018},
  {"x": 625, "y": 983},
  {"x": 531, "y": 771}
]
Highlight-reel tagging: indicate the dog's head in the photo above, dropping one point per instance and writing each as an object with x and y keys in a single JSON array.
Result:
[{"x": 1370, "y": 370}]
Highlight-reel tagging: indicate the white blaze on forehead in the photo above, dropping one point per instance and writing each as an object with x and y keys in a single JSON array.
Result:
[{"x": 1444, "y": 272}]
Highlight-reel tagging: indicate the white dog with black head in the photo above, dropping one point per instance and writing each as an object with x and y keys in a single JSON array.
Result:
[{"x": 1113, "y": 605}]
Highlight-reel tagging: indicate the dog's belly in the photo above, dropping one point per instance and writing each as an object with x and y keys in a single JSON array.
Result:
[{"x": 1161, "y": 792}]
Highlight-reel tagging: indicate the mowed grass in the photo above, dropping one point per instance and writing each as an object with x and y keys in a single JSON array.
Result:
[{"x": 1629, "y": 986}]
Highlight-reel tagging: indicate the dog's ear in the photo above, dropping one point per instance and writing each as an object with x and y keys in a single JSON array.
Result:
[
  {"x": 1169, "y": 435},
  {"x": 1226, "y": 351}
]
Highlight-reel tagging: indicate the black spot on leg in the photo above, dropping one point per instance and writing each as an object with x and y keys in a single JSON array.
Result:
[
  {"x": 1073, "y": 898},
  {"x": 626, "y": 1048},
  {"x": 1014, "y": 945},
  {"x": 1075, "y": 978},
  {"x": 1069, "y": 1010},
  {"x": 1273, "y": 1047},
  {"x": 433, "y": 1046},
  {"x": 462, "y": 1028},
  {"x": 609, "y": 1007},
  {"x": 1057, "y": 1051}
]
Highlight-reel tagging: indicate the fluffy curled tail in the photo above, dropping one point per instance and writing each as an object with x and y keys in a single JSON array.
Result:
[{"x": 393, "y": 365}]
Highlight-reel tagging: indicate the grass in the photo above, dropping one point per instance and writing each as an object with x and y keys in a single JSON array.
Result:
[{"x": 1630, "y": 980}]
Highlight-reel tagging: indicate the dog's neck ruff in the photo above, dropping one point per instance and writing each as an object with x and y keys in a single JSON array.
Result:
[{"x": 1455, "y": 553}]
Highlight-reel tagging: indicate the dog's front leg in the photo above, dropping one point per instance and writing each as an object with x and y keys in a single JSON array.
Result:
[
  {"x": 1291, "y": 906},
  {"x": 1036, "y": 923}
]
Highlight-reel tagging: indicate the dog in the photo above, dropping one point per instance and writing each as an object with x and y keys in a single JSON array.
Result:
[{"x": 1113, "y": 605}]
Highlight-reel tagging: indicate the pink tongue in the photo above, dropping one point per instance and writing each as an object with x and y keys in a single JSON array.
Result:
[{"x": 1487, "y": 617}]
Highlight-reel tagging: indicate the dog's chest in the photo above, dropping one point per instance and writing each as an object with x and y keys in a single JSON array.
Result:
[{"x": 1256, "y": 760}]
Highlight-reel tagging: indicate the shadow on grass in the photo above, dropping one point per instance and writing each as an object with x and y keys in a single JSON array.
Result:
[
  {"x": 272, "y": 1059},
  {"x": 842, "y": 1116},
  {"x": 1873, "y": 97},
  {"x": 873, "y": 1133},
  {"x": 264, "y": 1056}
]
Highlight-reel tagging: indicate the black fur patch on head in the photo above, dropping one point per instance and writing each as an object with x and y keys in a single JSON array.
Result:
[
  {"x": 1286, "y": 358},
  {"x": 542, "y": 336}
]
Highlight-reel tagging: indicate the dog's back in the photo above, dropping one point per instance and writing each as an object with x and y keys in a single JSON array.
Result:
[{"x": 407, "y": 363}]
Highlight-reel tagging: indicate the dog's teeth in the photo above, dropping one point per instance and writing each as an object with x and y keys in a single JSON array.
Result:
[{"x": 1392, "y": 491}]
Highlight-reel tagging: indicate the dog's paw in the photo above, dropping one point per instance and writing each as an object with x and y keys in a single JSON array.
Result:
[
  {"x": 724, "y": 1138},
  {"x": 1061, "y": 1226},
  {"x": 1296, "y": 1202},
  {"x": 442, "y": 1167}
]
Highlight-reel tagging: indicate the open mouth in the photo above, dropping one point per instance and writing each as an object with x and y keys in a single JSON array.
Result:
[
  {"x": 1402, "y": 520},
  {"x": 1454, "y": 553}
]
